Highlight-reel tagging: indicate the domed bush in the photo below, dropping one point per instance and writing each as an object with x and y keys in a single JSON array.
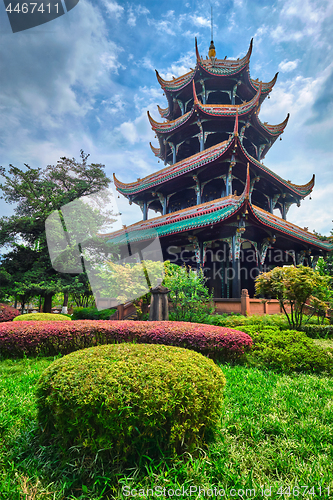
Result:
[
  {"x": 42, "y": 317},
  {"x": 132, "y": 399}
]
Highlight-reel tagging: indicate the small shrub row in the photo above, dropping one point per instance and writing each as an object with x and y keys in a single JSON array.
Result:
[
  {"x": 267, "y": 320},
  {"x": 52, "y": 338},
  {"x": 287, "y": 351},
  {"x": 7, "y": 313},
  {"x": 318, "y": 331},
  {"x": 130, "y": 399},
  {"x": 235, "y": 320},
  {"x": 42, "y": 317},
  {"x": 92, "y": 313}
]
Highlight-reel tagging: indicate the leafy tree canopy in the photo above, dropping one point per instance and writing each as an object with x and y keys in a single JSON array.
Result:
[
  {"x": 292, "y": 286},
  {"x": 26, "y": 269}
]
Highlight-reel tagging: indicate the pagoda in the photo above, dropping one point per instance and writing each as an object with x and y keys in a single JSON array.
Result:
[{"x": 215, "y": 197}]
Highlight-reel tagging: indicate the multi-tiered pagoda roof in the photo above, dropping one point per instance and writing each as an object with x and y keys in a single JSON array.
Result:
[{"x": 213, "y": 144}]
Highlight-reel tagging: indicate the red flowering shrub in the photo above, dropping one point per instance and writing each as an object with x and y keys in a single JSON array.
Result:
[
  {"x": 51, "y": 338},
  {"x": 7, "y": 313}
]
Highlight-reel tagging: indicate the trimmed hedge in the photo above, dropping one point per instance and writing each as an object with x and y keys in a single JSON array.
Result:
[
  {"x": 131, "y": 400},
  {"x": 318, "y": 331},
  {"x": 42, "y": 317},
  {"x": 7, "y": 313},
  {"x": 92, "y": 313},
  {"x": 52, "y": 338},
  {"x": 287, "y": 351}
]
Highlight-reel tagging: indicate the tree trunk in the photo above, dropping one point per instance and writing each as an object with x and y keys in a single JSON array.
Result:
[
  {"x": 47, "y": 308},
  {"x": 64, "y": 309}
]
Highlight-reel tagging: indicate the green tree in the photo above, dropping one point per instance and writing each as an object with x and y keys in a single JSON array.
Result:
[
  {"x": 293, "y": 287},
  {"x": 26, "y": 269},
  {"x": 189, "y": 296}
]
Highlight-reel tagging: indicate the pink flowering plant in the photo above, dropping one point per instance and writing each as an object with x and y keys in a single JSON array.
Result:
[
  {"x": 7, "y": 313},
  {"x": 52, "y": 338}
]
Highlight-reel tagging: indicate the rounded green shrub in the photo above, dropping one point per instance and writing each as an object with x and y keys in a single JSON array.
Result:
[
  {"x": 287, "y": 351},
  {"x": 42, "y": 317},
  {"x": 131, "y": 399}
]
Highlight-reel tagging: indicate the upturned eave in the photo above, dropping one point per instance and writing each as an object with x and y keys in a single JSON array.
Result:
[
  {"x": 300, "y": 190},
  {"x": 173, "y": 171}
]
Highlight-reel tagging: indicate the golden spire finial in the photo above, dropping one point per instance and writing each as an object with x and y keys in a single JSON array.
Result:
[{"x": 212, "y": 51}]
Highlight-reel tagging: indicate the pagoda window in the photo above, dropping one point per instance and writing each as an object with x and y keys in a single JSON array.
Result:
[
  {"x": 188, "y": 148},
  {"x": 219, "y": 98},
  {"x": 215, "y": 138},
  {"x": 213, "y": 190},
  {"x": 181, "y": 200},
  {"x": 259, "y": 199}
]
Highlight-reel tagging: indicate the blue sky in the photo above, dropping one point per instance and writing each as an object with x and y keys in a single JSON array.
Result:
[{"x": 86, "y": 80}]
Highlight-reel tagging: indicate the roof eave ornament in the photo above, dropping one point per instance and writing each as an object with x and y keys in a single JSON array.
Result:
[
  {"x": 195, "y": 97},
  {"x": 197, "y": 51}
]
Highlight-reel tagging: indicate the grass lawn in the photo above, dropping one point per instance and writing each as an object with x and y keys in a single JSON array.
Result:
[{"x": 276, "y": 430}]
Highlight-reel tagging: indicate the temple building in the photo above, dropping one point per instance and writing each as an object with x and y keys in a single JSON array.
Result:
[{"x": 215, "y": 197}]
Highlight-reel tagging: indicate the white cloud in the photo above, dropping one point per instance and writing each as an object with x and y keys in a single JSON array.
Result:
[
  {"x": 295, "y": 96},
  {"x": 287, "y": 66},
  {"x": 180, "y": 67},
  {"x": 260, "y": 34},
  {"x": 300, "y": 19},
  {"x": 148, "y": 97},
  {"x": 162, "y": 26},
  {"x": 113, "y": 8},
  {"x": 114, "y": 105},
  {"x": 313, "y": 212},
  {"x": 138, "y": 130},
  {"x": 131, "y": 21},
  {"x": 146, "y": 63},
  {"x": 50, "y": 86},
  {"x": 141, "y": 10},
  {"x": 110, "y": 60},
  {"x": 202, "y": 22}
]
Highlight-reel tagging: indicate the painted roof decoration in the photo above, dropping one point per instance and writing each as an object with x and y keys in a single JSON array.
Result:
[
  {"x": 199, "y": 160},
  {"x": 170, "y": 172},
  {"x": 212, "y": 213}
]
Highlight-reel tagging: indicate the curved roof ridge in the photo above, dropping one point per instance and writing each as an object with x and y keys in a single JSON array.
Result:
[
  {"x": 266, "y": 86},
  {"x": 163, "y": 111},
  {"x": 174, "y": 169},
  {"x": 179, "y": 80},
  {"x": 302, "y": 191},
  {"x": 274, "y": 129},
  {"x": 304, "y": 187},
  {"x": 273, "y": 220},
  {"x": 155, "y": 125},
  {"x": 156, "y": 151}
]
